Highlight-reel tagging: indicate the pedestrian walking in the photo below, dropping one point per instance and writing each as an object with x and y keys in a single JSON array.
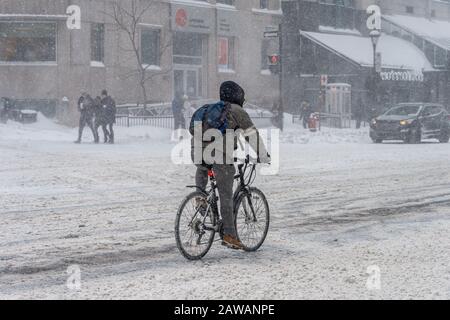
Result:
[
  {"x": 178, "y": 111},
  {"x": 86, "y": 107},
  {"x": 110, "y": 111},
  {"x": 100, "y": 119},
  {"x": 306, "y": 112}
]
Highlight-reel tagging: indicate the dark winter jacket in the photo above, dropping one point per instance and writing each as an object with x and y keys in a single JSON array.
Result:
[
  {"x": 237, "y": 119},
  {"x": 86, "y": 105},
  {"x": 99, "y": 112},
  {"x": 109, "y": 106},
  {"x": 177, "y": 105}
]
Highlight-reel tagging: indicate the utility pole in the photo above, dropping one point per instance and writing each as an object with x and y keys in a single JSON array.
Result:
[{"x": 281, "y": 106}]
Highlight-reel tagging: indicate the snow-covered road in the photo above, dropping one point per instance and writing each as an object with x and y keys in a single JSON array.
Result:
[{"x": 340, "y": 205}]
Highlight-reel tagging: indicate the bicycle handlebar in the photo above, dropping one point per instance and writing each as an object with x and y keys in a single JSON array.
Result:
[{"x": 247, "y": 160}]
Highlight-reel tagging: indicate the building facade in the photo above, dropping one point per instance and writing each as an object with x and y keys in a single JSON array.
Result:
[
  {"x": 183, "y": 45},
  {"x": 329, "y": 39}
]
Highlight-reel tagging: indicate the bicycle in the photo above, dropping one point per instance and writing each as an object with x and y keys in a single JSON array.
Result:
[{"x": 198, "y": 217}]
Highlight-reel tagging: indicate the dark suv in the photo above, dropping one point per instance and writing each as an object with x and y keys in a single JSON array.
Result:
[{"x": 412, "y": 122}]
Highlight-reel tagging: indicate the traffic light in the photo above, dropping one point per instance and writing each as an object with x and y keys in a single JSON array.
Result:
[
  {"x": 274, "y": 60},
  {"x": 274, "y": 63}
]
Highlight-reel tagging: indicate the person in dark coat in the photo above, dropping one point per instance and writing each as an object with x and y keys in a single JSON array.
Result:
[
  {"x": 359, "y": 113},
  {"x": 109, "y": 106},
  {"x": 86, "y": 106},
  {"x": 100, "y": 118},
  {"x": 306, "y": 113},
  {"x": 178, "y": 111}
]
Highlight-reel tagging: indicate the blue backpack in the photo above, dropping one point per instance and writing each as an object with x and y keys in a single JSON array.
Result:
[{"x": 212, "y": 116}]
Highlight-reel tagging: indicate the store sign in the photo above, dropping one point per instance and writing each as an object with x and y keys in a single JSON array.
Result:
[
  {"x": 192, "y": 19},
  {"x": 402, "y": 76},
  {"x": 226, "y": 23}
]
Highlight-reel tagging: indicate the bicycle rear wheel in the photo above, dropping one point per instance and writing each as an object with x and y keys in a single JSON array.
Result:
[
  {"x": 252, "y": 219},
  {"x": 193, "y": 240}
]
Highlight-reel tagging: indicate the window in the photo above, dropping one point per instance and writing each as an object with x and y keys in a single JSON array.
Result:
[
  {"x": 226, "y": 53},
  {"x": 264, "y": 4},
  {"x": 98, "y": 42},
  {"x": 27, "y": 42},
  {"x": 150, "y": 46},
  {"x": 409, "y": 9}
]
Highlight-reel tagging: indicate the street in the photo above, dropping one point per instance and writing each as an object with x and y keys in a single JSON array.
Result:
[{"x": 340, "y": 207}]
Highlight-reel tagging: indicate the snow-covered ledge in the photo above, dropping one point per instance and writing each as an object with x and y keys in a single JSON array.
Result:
[
  {"x": 266, "y": 72},
  {"x": 226, "y": 70},
  {"x": 97, "y": 64},
  {"x": 267, "y": 11},
  {"x": 28, "y": 64},
  {"x": 223, "y": 6},
  {"x": 194, "y": 3},
  {"x": 151, "y": 67}
]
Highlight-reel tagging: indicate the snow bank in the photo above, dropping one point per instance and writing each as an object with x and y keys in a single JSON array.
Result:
[
  {"x": 325, "y": 136},
  {"x": 46, "y": 130}
]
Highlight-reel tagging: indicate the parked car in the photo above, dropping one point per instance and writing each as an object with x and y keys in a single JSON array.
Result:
[
  {"x": 412, "y": 122},
  {"x": 9, "y": 111}
]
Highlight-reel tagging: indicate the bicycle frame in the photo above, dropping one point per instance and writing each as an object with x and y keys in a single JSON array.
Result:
[
  {"x": 212, "y": 196},
  {"x": 243, "y": 188}
]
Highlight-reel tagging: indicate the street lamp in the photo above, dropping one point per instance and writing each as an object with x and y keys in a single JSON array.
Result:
[{"x": 375, "y": 36}]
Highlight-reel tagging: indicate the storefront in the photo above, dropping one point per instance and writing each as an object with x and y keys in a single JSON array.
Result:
[
  {"x": 348, "y": 58},
  {"x": 192, "y": 27}
]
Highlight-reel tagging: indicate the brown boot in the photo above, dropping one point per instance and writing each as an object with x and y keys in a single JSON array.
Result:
[{"x": 232, "y": 242}]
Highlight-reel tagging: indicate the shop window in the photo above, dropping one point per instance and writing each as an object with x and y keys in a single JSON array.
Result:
[
  {"x": 98, "y": 42},
  {"x": 226, "y": 53},
  {"x": 440, "y": 57},
  {"x": 264, "y": 4},
  {"x": 27, "y": 42},
  {"x": 150, "y": 46}
]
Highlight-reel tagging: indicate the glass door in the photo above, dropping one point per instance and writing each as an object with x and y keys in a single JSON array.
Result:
[{"x": 187, "y": 80}]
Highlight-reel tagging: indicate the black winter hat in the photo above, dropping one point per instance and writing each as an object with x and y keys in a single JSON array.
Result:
[{"x": 231, "y": 92}]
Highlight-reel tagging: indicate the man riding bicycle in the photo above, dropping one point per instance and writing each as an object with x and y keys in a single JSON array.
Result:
[{"x": 237, "y": 119}]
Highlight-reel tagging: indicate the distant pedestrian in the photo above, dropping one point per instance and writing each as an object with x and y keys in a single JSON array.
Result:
[
  {"x": 100, "y": 118},
  {"x": 110, "y": 109},
  {"x": 178, "y": 111},
  {"x": 306, "y": 112},
  {"x": 359, "y": 113},
  {"x": 86, "y": 106}
]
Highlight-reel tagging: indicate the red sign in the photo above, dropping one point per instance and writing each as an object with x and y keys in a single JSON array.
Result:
[
  {"x": 323, "y": 80},
  {"x": 223, "y": 51},
  {"x": 181, "y": 18}
]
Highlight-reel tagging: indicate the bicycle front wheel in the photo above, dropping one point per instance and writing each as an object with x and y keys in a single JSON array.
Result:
[
  {"x": 193, "y": 240},
  {"x": 252, "y": 219}
]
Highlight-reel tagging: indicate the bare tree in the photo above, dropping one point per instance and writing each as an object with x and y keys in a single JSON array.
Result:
[{"x": 128, "y": 17}]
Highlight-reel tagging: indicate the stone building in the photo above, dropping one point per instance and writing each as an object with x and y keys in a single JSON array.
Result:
[
  {"x": 186, "y": 45},
  {"x": 329, "y": 39}
]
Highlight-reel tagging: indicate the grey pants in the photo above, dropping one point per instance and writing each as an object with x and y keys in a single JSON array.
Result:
[{"x": 225, "y": 178}]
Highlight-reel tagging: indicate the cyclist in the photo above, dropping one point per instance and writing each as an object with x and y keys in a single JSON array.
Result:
[{"x": 237, "y": 119}]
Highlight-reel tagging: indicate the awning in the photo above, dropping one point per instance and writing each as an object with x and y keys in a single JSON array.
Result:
[
  {"x": 397, "y": 54},
  {"x": 32, "y": 17},
  {"x": 436, "y": 31}
]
